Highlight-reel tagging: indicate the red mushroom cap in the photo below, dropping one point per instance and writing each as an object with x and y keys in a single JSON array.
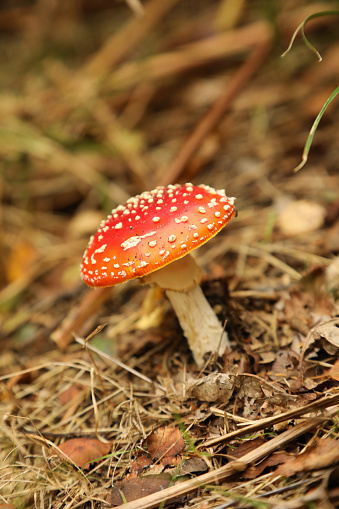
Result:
[{"x": 152, "y": 230}]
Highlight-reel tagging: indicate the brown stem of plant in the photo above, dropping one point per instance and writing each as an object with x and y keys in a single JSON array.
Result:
[{"x": 214, "y": 115}]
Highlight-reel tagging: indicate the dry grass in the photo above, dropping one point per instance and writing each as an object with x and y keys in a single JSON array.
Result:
[{"x": 99, "y": 103}]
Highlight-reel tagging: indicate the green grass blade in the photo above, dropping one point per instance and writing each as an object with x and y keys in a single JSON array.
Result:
[
  {"x": 313, "y": 129},
  {"x": 301, "y": 28}
]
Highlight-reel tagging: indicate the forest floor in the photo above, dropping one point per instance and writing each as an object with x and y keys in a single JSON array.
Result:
[{"x": 101, "y": 403}]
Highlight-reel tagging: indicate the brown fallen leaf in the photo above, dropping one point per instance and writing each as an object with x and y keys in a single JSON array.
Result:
[
  {"x": 328, "y": 334},
  {"x": 277, "y": 458},
  {"x": 324, "y": 454},
  {"x": 244, "y": 448},
  {"x": 138, "y": 466},
  {"x": 132, "y": 489},
  {"x": 193, "y": 465},
  {"x": 299, "y": 304},
  {"x": 334, "y": 371},
  {"x": 74, "y": 395},
  {"x": 83, "y": 451},
  {"x": 70, "y": 394},
  {"x": 285, "y": 365},
  {"x": 165, "y": 443},
  {"x": 20, "y": 258},
  {"x": 21, "y": 378}
]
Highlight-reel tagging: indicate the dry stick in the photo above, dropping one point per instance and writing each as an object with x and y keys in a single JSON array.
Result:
[
  {"x": 133, "y": 32},
  {"x": 325, "y": 402},
  {"x": 213, "y": 116},
  {"x": 90, "y": 303},
  {"x": 169, "y": 494},
  {"x": 191, "y": 56}
]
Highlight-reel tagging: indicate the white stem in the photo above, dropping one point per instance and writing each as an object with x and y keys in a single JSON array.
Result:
[{"x": 200, "y": 324}]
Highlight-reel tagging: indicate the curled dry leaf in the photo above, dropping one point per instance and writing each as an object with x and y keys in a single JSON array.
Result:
[
  {"x": 219, "y": 388},
  {"x": 253, "y": 387},
  {"x": 214, "y": 388},
  {"x": 165, "y": 443},
  {"x": 324, "y": 454},
  {"x": 328, "y": 334},
  {"x": 83, "y": 451}
]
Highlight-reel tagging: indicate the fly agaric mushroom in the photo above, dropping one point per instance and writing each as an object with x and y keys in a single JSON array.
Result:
[{"x": 151, "y": 237}]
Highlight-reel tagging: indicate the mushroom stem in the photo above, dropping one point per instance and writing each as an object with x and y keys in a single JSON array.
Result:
[{"x": 199, "y": 323}]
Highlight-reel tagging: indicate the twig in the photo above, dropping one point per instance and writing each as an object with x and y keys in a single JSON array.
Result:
[
  {"x": 121, "y": 44},
  {"x": 169, "y": 494},
  {"x": 325, "y": 402},
  {"x": 213, "y": 116},
  {"x": 90, "y": 303}
]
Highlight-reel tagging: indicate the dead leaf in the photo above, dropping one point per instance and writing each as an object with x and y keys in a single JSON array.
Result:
[
  {"x": 20, "y": 259},
  {"x": 251, "y": 387},
  {"x": 251, "y": 445},
  {"x": 334, "y": 371},
  {"x": 75, "y": 394},
  {"x": 83, "y": 451},
  {"x": 285, "y": 366},
  {"x": 165, "y": 443},
  {"x": 327, "y": 332},
  {"x": 133, "y": 489},
  {"x": 22, "y": 378},
  {"x": 244, "y": 448},
  {"x": 214, "y": 388},
  {"x": 299, "y": 304},
  {"x": 324, "y": 454},
  {"x": 277, "y": 458},
  {"x": 309, "y": 301},
  {"x": 70, "y": 394},
  {"x": 139, "y": 465},
  {"x": 300, "y": 216},
  {"x": 267, "y": 357},
  {"x": 193, "y": 465}
]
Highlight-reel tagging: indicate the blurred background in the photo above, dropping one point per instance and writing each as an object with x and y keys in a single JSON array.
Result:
[{"x": 103, "y": 99}]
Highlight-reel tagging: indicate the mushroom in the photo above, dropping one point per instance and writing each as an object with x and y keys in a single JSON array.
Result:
[{"x": 151, "y": 237}]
